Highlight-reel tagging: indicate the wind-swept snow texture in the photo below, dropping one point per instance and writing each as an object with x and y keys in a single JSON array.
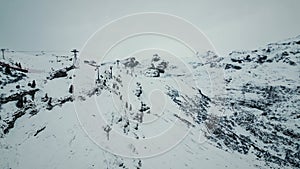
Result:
[{"x": 251, "y": 122}]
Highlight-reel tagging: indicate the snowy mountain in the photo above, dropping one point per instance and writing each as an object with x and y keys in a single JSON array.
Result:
[{"x": 152, "y": 110}]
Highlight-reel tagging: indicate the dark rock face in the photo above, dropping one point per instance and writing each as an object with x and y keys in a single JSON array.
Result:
[
  {"x": 17, "y": 96},
  {"x": 59, "y": 102},
  {"x": 269, "y": 136},
  {"x": 264, "y": 136},
  {"x": 24, "y": 107},
  {"x": 195, "y": 106},
  {"x": 11, "y": 123},
  {"x": 279, "y": 52},
  {"x": 264, "y": 115},
  {"x": 12, "y": 76},
  {"x": 131, "y": 62},
  {"x": 38, "y": 131},
  {"x": 264, "y": 112},
  {"x": 152, "y": 72},
  {"x": 230, "y": 66},
  {"x": 60, "y": 73}
]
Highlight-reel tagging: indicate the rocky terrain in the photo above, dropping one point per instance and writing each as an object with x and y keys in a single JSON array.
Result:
[{"x": 251, "y": 122}]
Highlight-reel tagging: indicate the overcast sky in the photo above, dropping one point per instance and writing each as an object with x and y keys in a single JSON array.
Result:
[{"x": 63, "y": 25}]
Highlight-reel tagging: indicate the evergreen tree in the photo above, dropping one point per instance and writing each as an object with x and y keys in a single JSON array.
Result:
[
  {"x": 33, "y": 84},
  {"x": 45, "y": 98},
  {"x": 50, "y": 102},
  {"x": 71, "y": 89},
  {"x": 20, "y": 103},
  {"x": 7, "y": 70}
]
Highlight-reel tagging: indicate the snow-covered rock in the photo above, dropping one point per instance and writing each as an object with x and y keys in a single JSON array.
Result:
[{"x": 248, "y": 120}]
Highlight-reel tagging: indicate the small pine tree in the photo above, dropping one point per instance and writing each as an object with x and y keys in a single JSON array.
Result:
[
  {"x": 71, "y": 89},
  {"x": 33, "y": 84},
  {"x": 7, "y": 70},
  {"x": 45, "y": 98},
  {"x": 20, "y": 103},
  {"x": 50, "y": 102},
  {"x": 32, "y": 96}
]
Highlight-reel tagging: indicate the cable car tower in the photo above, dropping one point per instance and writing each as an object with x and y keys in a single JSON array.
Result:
[
  {"x": 75, "y": 56},
  {"x": 98, "y": 74}
]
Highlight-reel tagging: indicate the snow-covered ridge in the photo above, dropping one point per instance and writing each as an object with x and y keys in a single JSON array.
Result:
[{"x": 258, "y": 126}]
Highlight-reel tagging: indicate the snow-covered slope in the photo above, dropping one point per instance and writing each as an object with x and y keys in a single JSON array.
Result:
[{"x": 153, "y": 110}]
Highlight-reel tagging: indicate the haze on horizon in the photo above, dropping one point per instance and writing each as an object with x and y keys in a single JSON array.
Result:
[{"x": 64, "y": 25}]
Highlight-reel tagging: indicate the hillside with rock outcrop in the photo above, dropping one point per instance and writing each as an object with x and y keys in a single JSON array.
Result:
[{"x": 202, "y": 111}]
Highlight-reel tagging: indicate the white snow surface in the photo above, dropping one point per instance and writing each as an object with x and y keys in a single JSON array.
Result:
[{"x": 72, "y": 134}]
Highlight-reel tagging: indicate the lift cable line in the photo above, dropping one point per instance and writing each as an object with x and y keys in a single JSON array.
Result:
[{"x": 40, "y": 50}]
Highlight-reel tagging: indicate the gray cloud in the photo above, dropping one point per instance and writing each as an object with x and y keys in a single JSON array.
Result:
[{"x": 62, "y": 25}]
